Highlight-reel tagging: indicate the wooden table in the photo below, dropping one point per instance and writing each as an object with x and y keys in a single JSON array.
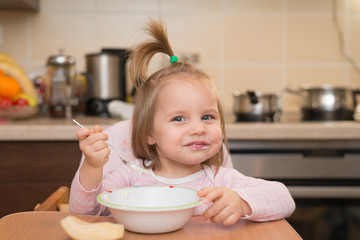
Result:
[{"x": 46, "y": 225}]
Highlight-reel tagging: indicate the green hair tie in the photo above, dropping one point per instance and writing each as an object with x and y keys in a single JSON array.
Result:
[{"x": 174, "y": 59}]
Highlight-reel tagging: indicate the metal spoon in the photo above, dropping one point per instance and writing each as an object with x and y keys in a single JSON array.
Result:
[{"x": 129, "y": 164}]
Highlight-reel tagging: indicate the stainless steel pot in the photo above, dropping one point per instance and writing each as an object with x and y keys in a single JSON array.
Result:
[
  {"x": 256, "y": 106},
  {"x": 326, "y": 102}
]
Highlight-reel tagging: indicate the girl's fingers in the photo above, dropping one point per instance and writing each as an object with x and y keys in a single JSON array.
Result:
[
  {"x": 95, "y": 137},
  {"x": 226, "y": 216},
  {"x": 92, "y": 144},
  {"x": 97, "y": 128},
  {"x": 231, "y": 219},
  {"x": 202, "y": 192},
  {"x": 91, "y": 149},
  {"x": 210, "y": 194},
  {"x": 99, "y": 158},
  {"x": 102, "y": 155},
  {"x": 83, "y": 133},
  {"x": 216, "y": 208},
  {"x": 98, "y": 145}
]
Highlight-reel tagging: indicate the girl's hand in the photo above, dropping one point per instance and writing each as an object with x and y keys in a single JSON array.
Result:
[
  {"x": 227, "y": 206},
  {"x": 92, "y": 144}
]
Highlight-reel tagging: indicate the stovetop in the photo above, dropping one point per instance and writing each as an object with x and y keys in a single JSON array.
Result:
[{"x": 298, "y": 117}]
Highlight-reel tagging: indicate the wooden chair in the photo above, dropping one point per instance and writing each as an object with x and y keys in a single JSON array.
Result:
[{"x": 57, "y": 201}]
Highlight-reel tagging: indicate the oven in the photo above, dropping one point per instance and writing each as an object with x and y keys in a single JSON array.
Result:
[{"x": 323, "y": 176}]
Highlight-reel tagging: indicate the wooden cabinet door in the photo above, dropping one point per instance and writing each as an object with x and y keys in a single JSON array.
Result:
[{"x": 31, "y": 171}]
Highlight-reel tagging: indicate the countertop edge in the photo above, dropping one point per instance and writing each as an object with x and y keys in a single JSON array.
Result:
[{"x": 65, "y": 130}]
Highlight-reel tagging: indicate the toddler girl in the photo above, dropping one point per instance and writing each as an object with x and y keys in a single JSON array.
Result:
[{"x": 178, "y": 133}]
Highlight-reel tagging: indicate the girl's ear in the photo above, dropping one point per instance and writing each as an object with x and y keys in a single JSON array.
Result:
[{"x": 150, "y": 140}]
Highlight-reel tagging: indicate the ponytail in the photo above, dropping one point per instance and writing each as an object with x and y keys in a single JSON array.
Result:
[{"x": 143, "y": 53}]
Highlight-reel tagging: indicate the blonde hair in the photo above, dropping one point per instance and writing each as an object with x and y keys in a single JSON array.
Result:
[{"x": 148, "y": 89}]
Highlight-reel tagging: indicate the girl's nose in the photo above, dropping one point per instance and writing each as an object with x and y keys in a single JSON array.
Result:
[{"x": 198, "y": 129}]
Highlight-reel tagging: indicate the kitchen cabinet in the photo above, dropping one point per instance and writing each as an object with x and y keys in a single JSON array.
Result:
[
  {"x": 36, "y": 157},
  {"x": 31, "y": 170},
  {"x": 24, "y": 5}
]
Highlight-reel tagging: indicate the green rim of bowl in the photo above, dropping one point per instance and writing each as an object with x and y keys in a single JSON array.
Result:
[{"x": 126, "y": 207}]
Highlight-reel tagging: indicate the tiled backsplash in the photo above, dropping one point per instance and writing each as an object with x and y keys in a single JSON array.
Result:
[{"x": 261, "y": 45}]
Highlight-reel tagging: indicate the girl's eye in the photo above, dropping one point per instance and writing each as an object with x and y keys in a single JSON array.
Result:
[
  {"x": 178, "y": 119},
  {"x": 207, "y": 117}
]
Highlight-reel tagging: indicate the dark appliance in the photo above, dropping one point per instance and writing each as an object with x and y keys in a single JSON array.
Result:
[
  {"x": 108, "y": 70},
  {"x": 322, "y": 176}
]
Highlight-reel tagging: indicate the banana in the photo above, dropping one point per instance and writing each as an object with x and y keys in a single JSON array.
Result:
[
  {"x": 81, "y": 230},
  {"x": 9, "y": 66},
  {"x": 6, "y": 58}
]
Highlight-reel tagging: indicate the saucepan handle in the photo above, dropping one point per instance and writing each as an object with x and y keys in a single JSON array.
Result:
[
  {"x": 292, "y": 91},
  {"x": 253, "y": 98}
]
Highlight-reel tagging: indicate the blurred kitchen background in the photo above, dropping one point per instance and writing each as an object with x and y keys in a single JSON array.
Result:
[
  {"x": 262, "y": 45},
  {"x": 249, "y": 46}
]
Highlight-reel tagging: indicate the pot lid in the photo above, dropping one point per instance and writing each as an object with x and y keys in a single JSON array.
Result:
[{"x": 61, "y": 59}]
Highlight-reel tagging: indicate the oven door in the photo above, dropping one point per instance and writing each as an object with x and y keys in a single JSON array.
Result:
[
  {"x": 305, "y": 177},
  {"x": 323, "y": 178}
]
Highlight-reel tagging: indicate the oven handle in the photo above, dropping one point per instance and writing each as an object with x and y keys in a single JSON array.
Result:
[{"x": 324, "y": 191}]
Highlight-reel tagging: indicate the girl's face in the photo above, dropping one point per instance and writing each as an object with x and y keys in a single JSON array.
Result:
[{"x": 186, "y": 129}]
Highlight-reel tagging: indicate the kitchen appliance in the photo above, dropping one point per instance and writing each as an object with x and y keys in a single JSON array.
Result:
[
  {"x": 61, "y": 72},
  {"x": 66, "y": 89},
  {"x": 108, "y": 70},
  {"x": 322, "y": 176},
  {"x": 256, "y": 106},
  {"x": 326, "y": 102}
]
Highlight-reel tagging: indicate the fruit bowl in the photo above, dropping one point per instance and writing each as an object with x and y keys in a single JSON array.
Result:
[
  {"x": 18, "y": 112},
  {"x": 151, "y": 209}
]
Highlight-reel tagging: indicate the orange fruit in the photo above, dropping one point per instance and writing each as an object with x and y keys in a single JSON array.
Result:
[{"x": 9, "y": 87}]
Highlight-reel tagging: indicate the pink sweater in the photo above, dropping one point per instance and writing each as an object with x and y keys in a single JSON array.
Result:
[{"x": 269, "y": 200}]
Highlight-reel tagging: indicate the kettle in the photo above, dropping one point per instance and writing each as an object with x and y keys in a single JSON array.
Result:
[{"x": 108, "y": 71}]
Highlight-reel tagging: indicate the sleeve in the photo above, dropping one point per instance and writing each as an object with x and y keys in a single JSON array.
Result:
[
  {"x": 82, "y": 201},
  {"x": 268, "y": 200}
]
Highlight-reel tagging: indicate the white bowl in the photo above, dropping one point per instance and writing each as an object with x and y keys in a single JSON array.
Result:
[{"x": 151, "y": 209}]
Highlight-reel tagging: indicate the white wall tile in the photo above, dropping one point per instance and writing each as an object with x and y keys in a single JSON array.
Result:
[
  {"x": 253, "y": 39},
  {"x": 260, "y": 44},
  {"x": 198, "y": 7},
  {"x": 253, "y": 7},
  {"x": 65, "y": 6},
  {"x": 14, "y": 35},
  {"x": 74, "y": 33},
  {"x": 312, "y": 39},
  {"x": 127, "y": 6}
]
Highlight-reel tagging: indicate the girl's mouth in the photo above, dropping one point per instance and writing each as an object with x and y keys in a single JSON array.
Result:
[{"x": 198, "y": 145}]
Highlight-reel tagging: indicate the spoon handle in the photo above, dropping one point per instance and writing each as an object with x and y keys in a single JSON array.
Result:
[{"x": 78, "y": 123}]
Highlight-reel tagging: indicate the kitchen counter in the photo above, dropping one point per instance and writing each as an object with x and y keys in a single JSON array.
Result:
[
  {"x": 47, "y": 129},
  {"x": 346, "y": 130}
]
